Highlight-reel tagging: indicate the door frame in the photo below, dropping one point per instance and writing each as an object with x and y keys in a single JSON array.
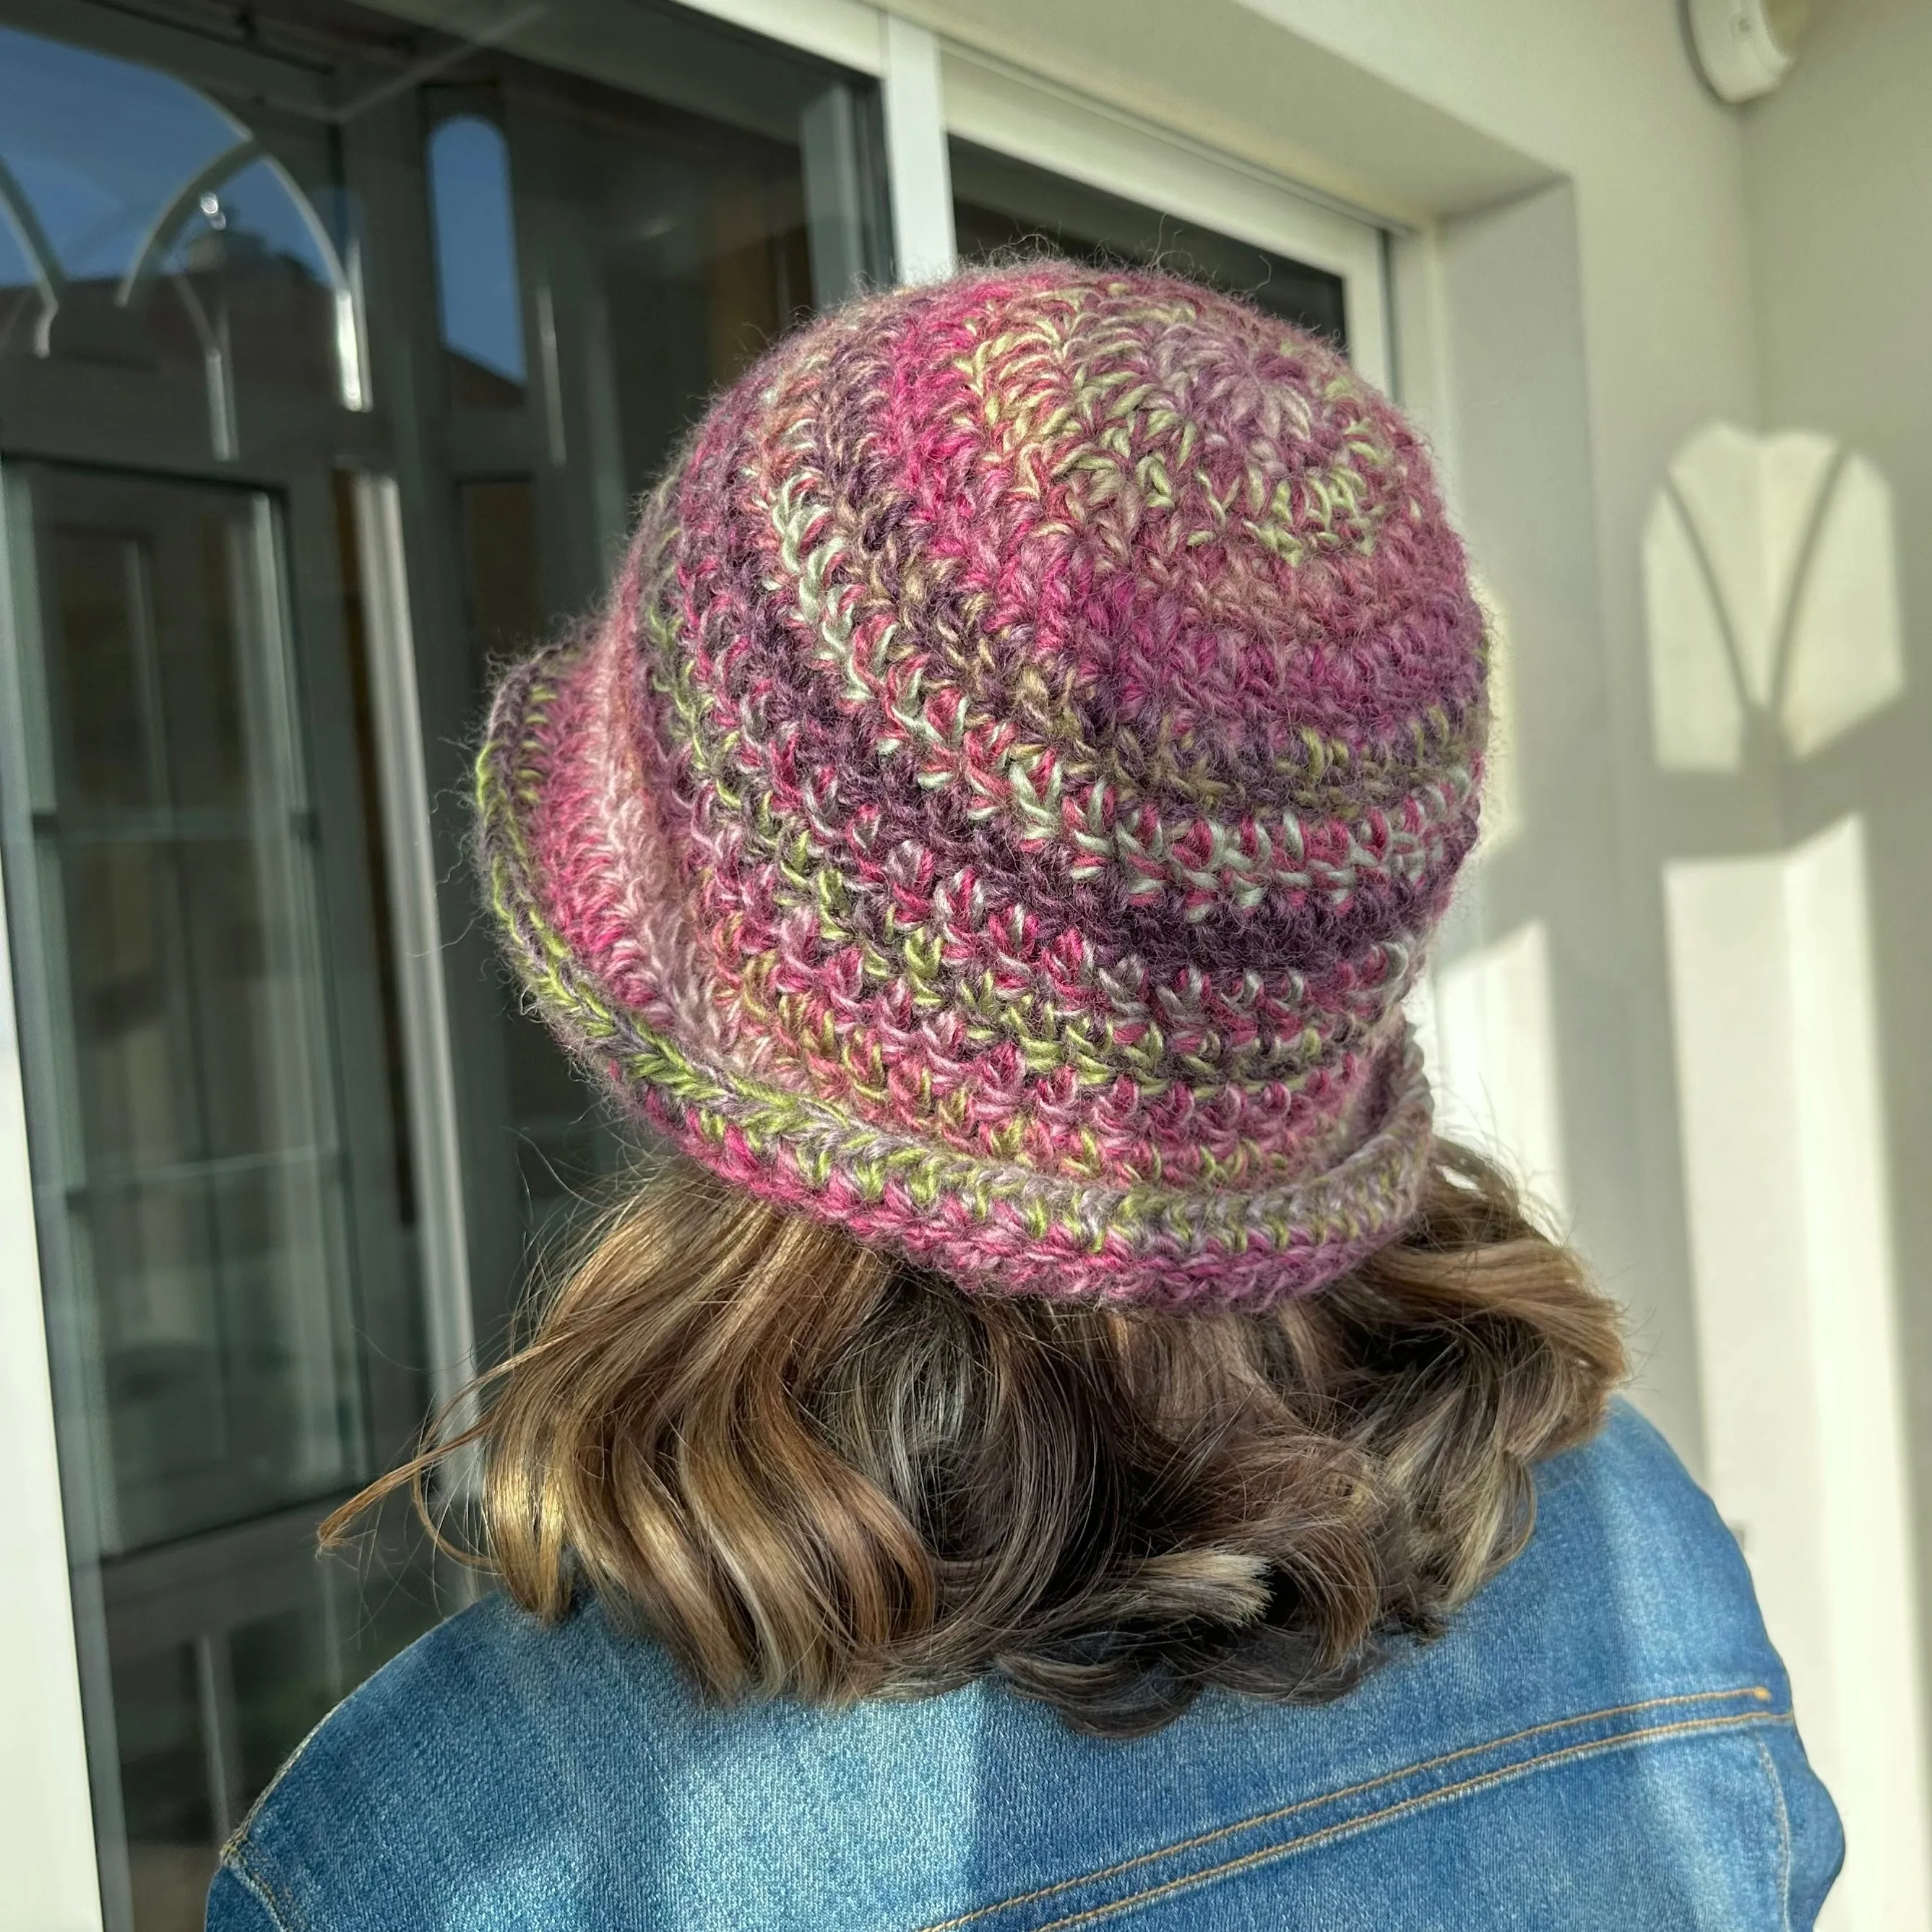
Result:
[{"x": 940, "y": 87}]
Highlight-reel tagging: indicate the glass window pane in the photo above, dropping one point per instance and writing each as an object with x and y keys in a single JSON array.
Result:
[
  {"x": 100, "y": 583},
  {"x": 95, "y": 180},
  {"x": 1002, "y": 205},
  {"x": 665, "y": 250},
  {"x": 479, "y": 299},
  {"x": 22, "y": 307},
  {"x": 537, "y": 257},
  {"x": 564, "y": 1138},
  {"x": 502, "y": 567},
  {"x": 658, "y": 199},
  {"x": 249, "y": 276},
  {"x": 208, "y": 1200},
  {"x": 160, "y": 238},
  {"x": 203, "y": 1255},
  {"x": 171, "y": 1825}
]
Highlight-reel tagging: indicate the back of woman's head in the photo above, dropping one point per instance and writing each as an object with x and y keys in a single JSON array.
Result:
[
  {"x": 807, "y": 1467},
  {"x": 990, "y": 833}
]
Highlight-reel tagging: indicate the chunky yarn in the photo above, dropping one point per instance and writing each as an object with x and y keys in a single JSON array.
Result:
[{"x": 1011, "y": 788}]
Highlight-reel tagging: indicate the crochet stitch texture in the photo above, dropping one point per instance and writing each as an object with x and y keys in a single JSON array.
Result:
[{"x": 1010, "y": 789}]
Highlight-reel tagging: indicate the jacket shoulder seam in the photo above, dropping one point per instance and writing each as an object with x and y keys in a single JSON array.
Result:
[
  {"x": 239, "y": 1857},
  {"x": 1266, "y": 1854},
  {"x": 1777, "y": 1784},
  {"x": 1758, "y": 1693}
]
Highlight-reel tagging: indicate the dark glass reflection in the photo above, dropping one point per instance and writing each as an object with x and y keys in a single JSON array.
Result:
[
  {"x": 479, "y": 304},
  {"x": 207, "y": 1194},
  {"x": 653, "y": 237},
  {"x": 1001, "y": 206},
  {"x": 142, "y": 228}
]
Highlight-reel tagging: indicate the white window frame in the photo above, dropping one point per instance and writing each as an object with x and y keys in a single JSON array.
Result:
[
  {"x": 47, "y": 1812},
  {"x": 930, "y": 89}
]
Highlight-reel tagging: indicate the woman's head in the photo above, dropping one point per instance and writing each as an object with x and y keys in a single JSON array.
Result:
[
  {"x": 989, "y": 832},
  {"x": 810, "y": 1469},
  {"x": 1011, "y": 788}
]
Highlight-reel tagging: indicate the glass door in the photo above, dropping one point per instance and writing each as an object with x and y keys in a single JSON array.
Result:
[
  {"x": 221, "y": 1164},
  {"x": 221, "y": 1274},
  {"x": 333, "y": 355},
  {"x": 203, "y": 1181}
]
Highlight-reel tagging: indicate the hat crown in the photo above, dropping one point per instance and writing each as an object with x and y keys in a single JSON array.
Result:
[
  {"x": 1130, "y": 561},
  {"x": 1038, "y": 728}
]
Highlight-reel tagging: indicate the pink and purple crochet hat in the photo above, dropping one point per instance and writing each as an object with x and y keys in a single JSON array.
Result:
[{"x": 1012, "y": 787}]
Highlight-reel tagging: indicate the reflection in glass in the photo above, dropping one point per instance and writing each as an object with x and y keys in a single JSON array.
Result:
[
  {"x": 206, "y": 1187},
  {"x": 214, "y": 1292},
  {"x": 143, "y": 228},
  {"x": 565, "y": 1139},
  {"x": 96, "y": 145},
  {"x": 1001, "y": 205},
  {"x": 23, "y": 294},
  {"x": 206, "y": 1718},
  {"x": 502, "y": 578},
  {"x": 656, "y": 241},
  {"x": 672, "y": 249},
  {"x": 479, "y": 298},
  {"x": 171, "y": 1825}
]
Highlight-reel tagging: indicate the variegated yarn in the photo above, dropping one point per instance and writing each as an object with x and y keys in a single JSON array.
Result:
[{"x": 1011, "y": 788}]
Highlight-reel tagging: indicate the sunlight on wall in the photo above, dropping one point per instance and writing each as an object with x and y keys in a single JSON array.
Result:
[
  {"x": 1784, "y": 1156},
  {"x": 1502, "y": 798},
  {"x": 1770, "y": 588},
  {"x": 1486, "y": 1025}
]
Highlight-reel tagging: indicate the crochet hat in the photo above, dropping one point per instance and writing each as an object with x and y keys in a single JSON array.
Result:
[{"x": 1011, "y": 788}]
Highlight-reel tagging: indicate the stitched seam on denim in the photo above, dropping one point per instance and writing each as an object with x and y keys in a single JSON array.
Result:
[
  {"x": 1757, "y": 1690},
  {"x": 1266, "y": 1854},
  {"x": 239, "y": 1858},
  {"x": 1783, "y": 1837},
  {"x": 240, "y": 1832}
]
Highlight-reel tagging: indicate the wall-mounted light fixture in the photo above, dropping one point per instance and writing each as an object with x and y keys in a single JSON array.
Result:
[{"x": 1745, "y": 47}]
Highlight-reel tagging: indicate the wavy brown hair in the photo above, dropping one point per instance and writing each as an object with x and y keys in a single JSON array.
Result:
[{"x": 808, "y": 1468}]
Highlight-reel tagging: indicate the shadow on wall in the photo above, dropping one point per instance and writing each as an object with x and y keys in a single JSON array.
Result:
[
  {"x": 1774, "y": 631},
  {"x": 1771, "y": 590}
]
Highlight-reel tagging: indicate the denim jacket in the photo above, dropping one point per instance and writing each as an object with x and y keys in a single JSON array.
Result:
[{"x": 1604, "y": 1737}]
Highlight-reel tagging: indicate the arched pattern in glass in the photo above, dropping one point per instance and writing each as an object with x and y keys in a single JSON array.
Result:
[{"x": 141, "y": 223}]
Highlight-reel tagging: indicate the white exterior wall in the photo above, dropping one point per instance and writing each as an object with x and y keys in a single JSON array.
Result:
[
  {"x": 1576, "y": 303},
  {"x": 1838, "y": 170},
  {"x": 1608, "y": 271}
]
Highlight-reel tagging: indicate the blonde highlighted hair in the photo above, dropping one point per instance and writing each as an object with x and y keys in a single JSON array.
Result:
[{"x": 808, "y": 1468}]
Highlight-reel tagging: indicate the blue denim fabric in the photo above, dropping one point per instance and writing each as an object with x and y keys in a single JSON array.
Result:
[{"x": 1602, "y": 1738}]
